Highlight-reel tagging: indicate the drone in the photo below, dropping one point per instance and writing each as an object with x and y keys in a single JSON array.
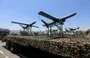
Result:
[
  {"x": 71, "y": 29},
  {"x": 58, "y": 22},
  {"x": 26, "y": 26}
]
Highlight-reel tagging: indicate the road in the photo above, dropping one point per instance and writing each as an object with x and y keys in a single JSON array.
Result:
[{"x": 4, "y": 53}]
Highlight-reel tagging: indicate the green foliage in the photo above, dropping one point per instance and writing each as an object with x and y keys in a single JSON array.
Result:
[
  {"x": 15, "y": 34},
  {"x": 24, "y": 33}
]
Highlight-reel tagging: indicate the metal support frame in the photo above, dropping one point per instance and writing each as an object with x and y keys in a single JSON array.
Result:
[{"x": 60, "y": 27}]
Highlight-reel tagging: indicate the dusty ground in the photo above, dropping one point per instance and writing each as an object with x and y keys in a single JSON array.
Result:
[{"x": 4, "y": 53}]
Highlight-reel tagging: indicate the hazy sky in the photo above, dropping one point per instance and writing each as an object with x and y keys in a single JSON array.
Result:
[{"x": 26, "y": 11}]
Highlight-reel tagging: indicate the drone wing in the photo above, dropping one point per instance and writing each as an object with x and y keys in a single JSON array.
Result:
[
  {"x": 35, "y": 26},
  {"x": 48, "y": 16},
  {"x": 18, "y": 23},
  {"x": 63, "y": 19},
  {"x": 32, "y": 23}
]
